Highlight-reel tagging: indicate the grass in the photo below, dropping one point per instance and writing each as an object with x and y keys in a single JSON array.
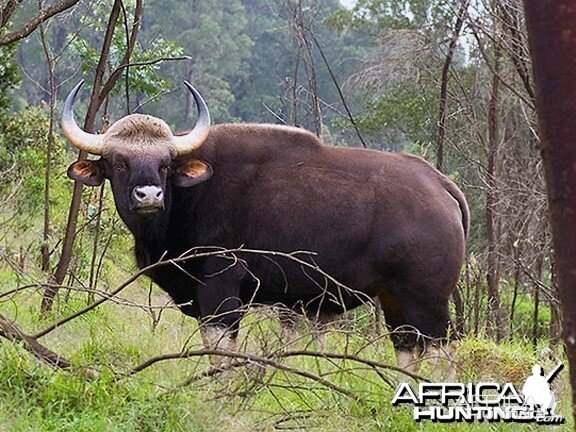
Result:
[{"x": 114, "y": 338}]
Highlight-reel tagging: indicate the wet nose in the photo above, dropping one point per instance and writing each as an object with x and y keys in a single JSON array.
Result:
[{"x": 148, "y": 196}]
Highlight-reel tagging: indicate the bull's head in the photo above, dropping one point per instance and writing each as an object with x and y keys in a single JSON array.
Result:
[{"x": 139, "y": 155}]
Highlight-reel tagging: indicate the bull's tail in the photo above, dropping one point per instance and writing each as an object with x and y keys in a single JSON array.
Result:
[{"x": 457, "y": 194}]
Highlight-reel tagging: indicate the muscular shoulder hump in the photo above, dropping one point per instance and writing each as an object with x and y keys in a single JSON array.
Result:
[{"x": 270, "y": 134}]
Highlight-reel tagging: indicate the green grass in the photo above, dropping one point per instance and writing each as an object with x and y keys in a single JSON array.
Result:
[{"x": 114, "y": 338}]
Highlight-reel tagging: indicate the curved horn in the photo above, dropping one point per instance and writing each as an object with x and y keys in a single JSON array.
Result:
[
  {"x": 196, "y": 137},
  {"x": 84, "y": 141}
]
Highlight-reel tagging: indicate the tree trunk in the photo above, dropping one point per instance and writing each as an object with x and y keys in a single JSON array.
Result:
[
  {"x": 552, "y": 37},
  {"x": 444, "y": 85},
  {"x": 45, "y": 249},
  {"x": 459, "y": 321},
  {"x": 555, "y": 315},
  {"x": 493, "y": 276},
  {"x": 89, "y": 122},
  {"x": 100, "y": 92},
  {"x": 536, "y": 312}
]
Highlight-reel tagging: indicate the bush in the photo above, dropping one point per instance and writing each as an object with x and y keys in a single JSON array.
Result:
[{"x": 23, "y": 143}]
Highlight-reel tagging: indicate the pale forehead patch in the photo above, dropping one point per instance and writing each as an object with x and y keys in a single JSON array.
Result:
[{"x": 140, "y": 133}]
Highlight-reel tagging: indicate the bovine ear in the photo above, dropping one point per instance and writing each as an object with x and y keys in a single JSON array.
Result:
[
  {"x": 191, "y": 172},
  {"x": 88, "y": 172}
]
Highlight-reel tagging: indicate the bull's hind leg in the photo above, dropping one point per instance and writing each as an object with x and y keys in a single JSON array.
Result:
[
  {"x": 403, "y": 336},
  {"x": 419, "y": 329},
  {"x": 318, "y": 325},
  {"x": 289, "y": 324}
]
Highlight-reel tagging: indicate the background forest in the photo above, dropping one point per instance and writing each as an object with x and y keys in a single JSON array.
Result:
[{"x": 449, "y": 80}]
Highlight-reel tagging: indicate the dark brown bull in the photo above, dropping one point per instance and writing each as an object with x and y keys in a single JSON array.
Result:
[{"x": 385, "y": 225}]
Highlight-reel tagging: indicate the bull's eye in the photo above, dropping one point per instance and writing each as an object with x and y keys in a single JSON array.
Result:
[
  {"x": 164, "y": 168},
  {"x": 118, "y": 166}
]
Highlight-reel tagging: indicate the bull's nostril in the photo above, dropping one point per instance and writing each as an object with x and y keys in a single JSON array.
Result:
[{"x": 148, "y": 195}]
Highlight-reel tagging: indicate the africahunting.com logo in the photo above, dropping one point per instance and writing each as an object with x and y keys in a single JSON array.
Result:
[{"x": 484, "y": 401}]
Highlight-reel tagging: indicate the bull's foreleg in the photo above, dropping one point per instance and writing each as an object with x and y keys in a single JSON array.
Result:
[
  {"x": 408, "y": 359},
  {"x": 218, "y": 338},
  {"x": 220, "y": 309},
  {"x": 438, "y": 358},
  {"x": 318, "y": 326},
  {"x": 220, "y": 332}
]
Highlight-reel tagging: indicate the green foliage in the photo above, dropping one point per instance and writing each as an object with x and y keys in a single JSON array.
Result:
[
  {"x": 37, "y": 398},
  {"x": 398, "y": 80},
  {"x": 147, "y": 79},
  {"x": 242, "y": 57},
  {"x": 481, "y": 359},
  {"x": 399, "y": 120},
  {"x": 379, "y": 16},
  {"x": 273, "y": 61},
  {"x": 523, "y": 323},
  {"x": 34, "y": 397},
  {"x": 144, "y": 78},
  {"x": 23, "y": 141}
]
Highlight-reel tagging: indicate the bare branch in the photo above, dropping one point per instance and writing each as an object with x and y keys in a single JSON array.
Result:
[
  {"x": 195, "y": 254},
  {"x": 444, "y": 84},
  {"x": 28, "y": 28},
  {"x": 248, "y": 359},
  {"x": 12, "y": 331}
]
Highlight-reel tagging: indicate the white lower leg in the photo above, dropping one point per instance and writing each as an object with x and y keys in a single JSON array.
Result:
[
  {"x": 289, "y": 324},
  {"x": 320, "y": 326},
  {"x": 407, "y": 359},
  {"x": 220, "y": 338},
  {"x": 319, "y": 336}
]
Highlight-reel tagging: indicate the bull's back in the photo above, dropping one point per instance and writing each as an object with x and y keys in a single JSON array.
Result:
[{"x": 363, "y": 214}]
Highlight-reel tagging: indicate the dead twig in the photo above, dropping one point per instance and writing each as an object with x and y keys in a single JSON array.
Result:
[
  {"x": 194, "y": 254},
  {"x": 14, "y": 333}
]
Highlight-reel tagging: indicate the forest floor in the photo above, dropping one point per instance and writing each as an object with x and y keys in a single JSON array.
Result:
[{"x": 177, "y": 394}]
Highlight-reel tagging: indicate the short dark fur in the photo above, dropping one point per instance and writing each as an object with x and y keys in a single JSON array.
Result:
[{"x": 387, "y": 225}]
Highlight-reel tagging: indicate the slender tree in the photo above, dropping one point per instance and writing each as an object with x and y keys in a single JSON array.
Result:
[
  {"x": 492, "y": 225},
  {"x": 442, "y": 109},
  {"x": 100, "y": 91},
  {"x": 45, "y": 250}
]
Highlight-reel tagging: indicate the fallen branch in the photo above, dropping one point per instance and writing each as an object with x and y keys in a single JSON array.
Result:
[
  {"x": 14, "y": 333},
  {"x": 273, "y": 360},
  {"x": 248, "y": 359},
  {"x": 256, "y": 359}
]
